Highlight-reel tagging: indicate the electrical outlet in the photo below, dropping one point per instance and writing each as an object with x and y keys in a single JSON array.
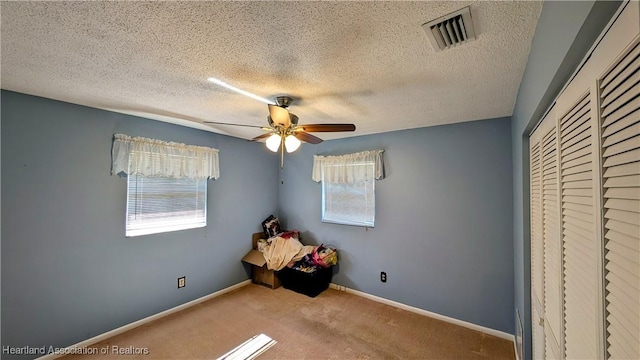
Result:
[
  {"x": 182, "y": 282},
  {"x": 383, "y": 276}
]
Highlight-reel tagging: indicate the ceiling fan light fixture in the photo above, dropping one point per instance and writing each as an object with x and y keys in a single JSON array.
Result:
[
  {"x": 240, "y": 91},
  {"x": 273, "y": 142},
  {"x": 291, "y": 143}
]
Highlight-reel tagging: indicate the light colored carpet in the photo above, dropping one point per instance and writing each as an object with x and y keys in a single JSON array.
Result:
[{"x": 334, "y": 325}]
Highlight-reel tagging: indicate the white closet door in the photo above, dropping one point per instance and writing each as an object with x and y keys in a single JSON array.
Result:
[
  {"x": 538, "y": 335},
  {"x": 620, "y": 126},
  {"x": 585, "y": 206},
  {"x": 579, "y": 236},
  {"x": 552, "y": 249},
  {"x": 537, "y": 255}
]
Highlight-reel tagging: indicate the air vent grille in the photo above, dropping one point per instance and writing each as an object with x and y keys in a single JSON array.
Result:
[{"x": 450, "y": 30}]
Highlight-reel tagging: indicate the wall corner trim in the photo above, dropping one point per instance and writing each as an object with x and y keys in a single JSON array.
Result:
[
  {"x": 148, "y": 319},
  {"x": 472, "y": 326}
]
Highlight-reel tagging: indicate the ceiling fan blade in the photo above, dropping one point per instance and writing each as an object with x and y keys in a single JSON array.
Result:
[
  {"x": 221, "y": 123},
  {"x": 279, "y": 115},
  {"x": 327, "y": 127},
  {"x": 260, "y": 137},
  {"x": 303, "y": 136}
]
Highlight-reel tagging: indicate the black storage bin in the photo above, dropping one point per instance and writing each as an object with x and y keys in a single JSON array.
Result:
[{"x": 310, "y": 284}]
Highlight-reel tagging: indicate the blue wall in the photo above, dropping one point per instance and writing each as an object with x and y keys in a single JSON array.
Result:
[
  {"x": 565, "y": 32},
  {"x": 68, "y": 272},
  {"x": 443, "y": 229}
]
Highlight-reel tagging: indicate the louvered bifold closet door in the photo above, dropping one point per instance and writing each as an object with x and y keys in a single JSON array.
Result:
[
  {"x": 537, "y": 255},
  {"x": 620, "y": 119},
  {"x": 538, "y": 336},
  {"x": 552, "y": 250},
  {"x": 579, "y": 239}
]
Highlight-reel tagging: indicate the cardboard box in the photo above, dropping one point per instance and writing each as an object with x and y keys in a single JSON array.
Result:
[{"x": 259, "y": 272}]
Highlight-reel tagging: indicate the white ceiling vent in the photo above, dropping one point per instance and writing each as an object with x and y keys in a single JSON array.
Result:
[{"x": 450, "y": 30}]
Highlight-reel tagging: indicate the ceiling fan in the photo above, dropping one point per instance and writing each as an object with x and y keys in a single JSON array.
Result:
[{"x": 283, "y": 130}]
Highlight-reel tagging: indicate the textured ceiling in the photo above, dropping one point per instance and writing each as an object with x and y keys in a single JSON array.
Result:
[{"x": 367, "y": 63}]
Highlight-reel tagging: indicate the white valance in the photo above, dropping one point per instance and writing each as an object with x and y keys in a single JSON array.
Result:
[
  {"x": 349, "y": 168},
  {"x": 151, "y": 157}
]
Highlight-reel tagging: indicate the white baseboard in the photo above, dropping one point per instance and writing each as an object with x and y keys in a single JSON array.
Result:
[
  {"x": 515, "y": 348},
  {"x": 486, "y": 330},
  {"x": 135, "y": 324}
]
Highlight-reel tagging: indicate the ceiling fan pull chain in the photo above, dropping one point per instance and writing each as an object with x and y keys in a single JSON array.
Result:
[{"x": 282, "y": 152}]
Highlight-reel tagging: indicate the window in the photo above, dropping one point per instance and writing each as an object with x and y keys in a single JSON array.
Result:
[
  {"x": 166, "y": 183},
  {"x": 157, "y": 204},
  {"x": 348, "y": 186},
  {"x": 350, "y": 203}
]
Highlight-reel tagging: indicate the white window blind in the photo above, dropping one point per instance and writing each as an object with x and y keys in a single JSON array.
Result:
[
  {"x": 579, "y": 237},
  {"x": 157, "y": 205},
  {"x": 620, "y": 117},
  {"x": 552, "y": 251},
  {"x": 166, "y": 183},
  {"x": 350, "y": 203},
  {"x": 348, "y": 186}
]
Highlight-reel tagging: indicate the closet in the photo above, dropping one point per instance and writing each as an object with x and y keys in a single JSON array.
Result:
[{"x": 585, "y": 206}]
